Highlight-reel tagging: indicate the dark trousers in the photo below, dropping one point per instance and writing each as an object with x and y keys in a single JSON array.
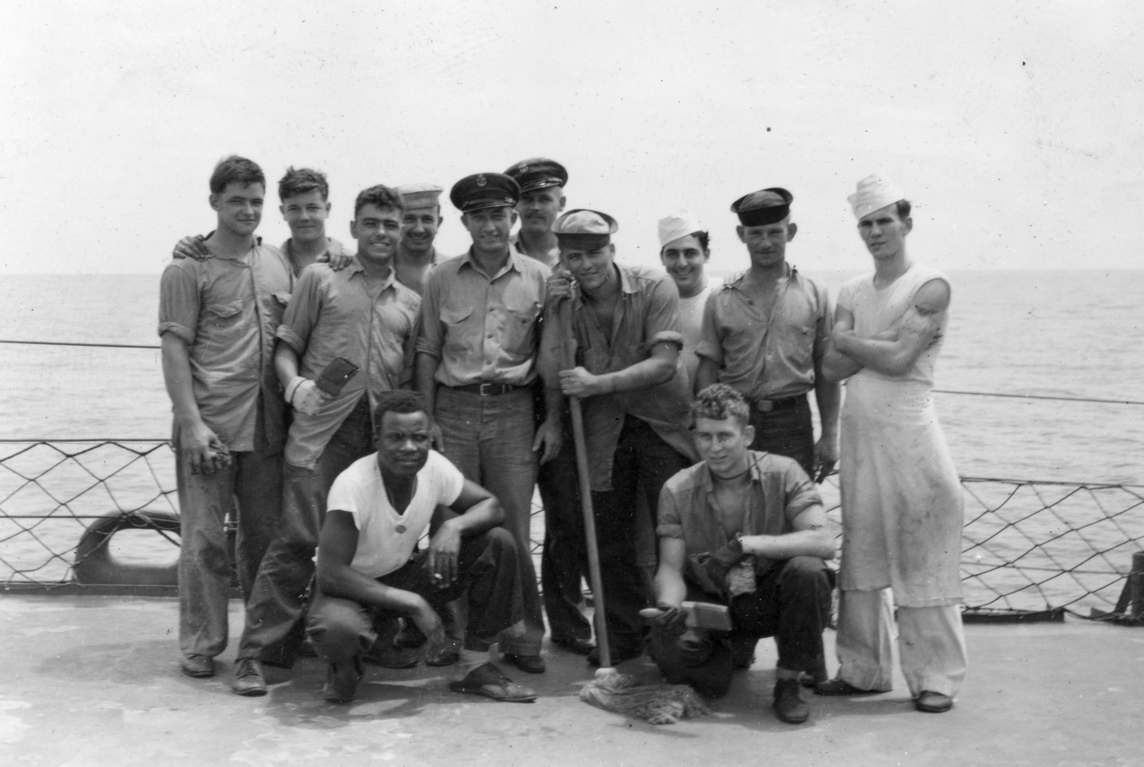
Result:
[
  {"x": 343, "y": 630},
  {"x": 564, "y": 562},
  {"x": 791, "y": 602},
  {"x": 788, "y": 432},
  {"x": 642, "y": 460},
  {"x": 273, "y": 629}
]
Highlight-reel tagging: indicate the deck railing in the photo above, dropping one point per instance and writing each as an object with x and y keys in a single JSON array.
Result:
[{"x": 1028, "y": 547}]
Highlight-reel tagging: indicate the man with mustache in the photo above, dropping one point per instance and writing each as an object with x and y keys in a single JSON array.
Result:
[
  {"x": 764, "y": 334},
  {"x": 541, "y": 200}
]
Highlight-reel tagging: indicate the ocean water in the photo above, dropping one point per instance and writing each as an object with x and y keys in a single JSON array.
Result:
[{"x": 1047, "y": 333}]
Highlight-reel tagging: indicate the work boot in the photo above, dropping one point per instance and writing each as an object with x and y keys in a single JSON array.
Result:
[{"x": 789, "y": 705}]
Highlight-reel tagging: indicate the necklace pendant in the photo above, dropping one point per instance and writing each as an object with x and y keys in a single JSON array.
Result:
[{"x": 400, "y": 529}]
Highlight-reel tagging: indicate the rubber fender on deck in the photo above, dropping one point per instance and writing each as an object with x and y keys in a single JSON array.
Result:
[{"x": 94, "y": 564}]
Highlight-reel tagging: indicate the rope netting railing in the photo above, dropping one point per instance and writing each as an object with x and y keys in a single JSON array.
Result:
[{"x": 1028, "y": 546}]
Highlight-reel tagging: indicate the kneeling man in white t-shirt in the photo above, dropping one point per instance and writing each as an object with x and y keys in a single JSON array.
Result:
[{"x": 367, "y": 570}]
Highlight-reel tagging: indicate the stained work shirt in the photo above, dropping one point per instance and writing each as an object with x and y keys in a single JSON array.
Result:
[
  {"x": 335, "y": 314},
  {"x": 761, "y": 356},
  {"x": 483, "y": 328},
  {"x": 646, "y": 314},
  {"x": 226, "y": 310},
  {"x": 689, "y": 510}
]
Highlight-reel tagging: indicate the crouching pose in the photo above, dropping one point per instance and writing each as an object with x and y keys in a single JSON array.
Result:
[
  {"x": 747, "y": 530},
  {"x": 378, "y": 508}
]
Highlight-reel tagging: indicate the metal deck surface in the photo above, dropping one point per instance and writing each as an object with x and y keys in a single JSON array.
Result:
[{"x": 95, "y": 681}]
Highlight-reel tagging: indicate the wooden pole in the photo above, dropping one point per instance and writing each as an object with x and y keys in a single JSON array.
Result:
[{"x": 568, "y": 360}]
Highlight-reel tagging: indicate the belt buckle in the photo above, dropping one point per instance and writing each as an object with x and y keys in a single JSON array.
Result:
[
  {"x": 764, "y": 405},
  {"x": 485, "y": 389}
]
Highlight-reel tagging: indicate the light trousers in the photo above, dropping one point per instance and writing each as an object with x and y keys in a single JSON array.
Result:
[{"x": 931, "y": 644}]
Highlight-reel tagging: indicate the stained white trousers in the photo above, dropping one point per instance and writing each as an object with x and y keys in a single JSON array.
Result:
[{"x": 931, "y": 644}]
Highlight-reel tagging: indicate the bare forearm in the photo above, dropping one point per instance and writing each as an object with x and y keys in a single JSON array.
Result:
[
  {"x": 706, "y": 374},
  {"x": 828, "y": 396},
  {"x": 801, "y": 543},
  {"x": 481, "y": 516},
  {"x": 670, "y": 588},
  {"x": 344, "y": 582},
  {"x": 642, "y": 375},
  {"x": 893, "y": 358},
  {"x": 285, "y": 363},
  {"x": 426, "y": 367},
  {"x": 553, "y": 404}
]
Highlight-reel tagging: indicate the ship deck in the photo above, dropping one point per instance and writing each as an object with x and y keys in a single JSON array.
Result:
[{"x": 94, "y": 681}]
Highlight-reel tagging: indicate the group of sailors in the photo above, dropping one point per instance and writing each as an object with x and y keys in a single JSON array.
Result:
[{"x": 346, "y": 401}]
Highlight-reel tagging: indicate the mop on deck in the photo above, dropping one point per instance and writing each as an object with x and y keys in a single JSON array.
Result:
[{"x": 611, "y": 690}]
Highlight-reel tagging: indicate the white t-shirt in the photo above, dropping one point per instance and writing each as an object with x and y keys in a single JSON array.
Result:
[
  {"x": 691, "y": 326},
  {"x": 386, "y": 538}
]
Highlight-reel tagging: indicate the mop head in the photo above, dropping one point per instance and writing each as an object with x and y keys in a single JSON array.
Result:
[{"x": 655, "y": 703}]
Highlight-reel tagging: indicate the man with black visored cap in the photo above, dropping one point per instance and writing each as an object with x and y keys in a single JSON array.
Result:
[
  {"x": 541, "y": 200},
  {"x": 764, "y": 334},
  {"x": 476, "y": 366}
]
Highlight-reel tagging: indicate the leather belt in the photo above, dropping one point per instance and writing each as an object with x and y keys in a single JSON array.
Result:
[
  {"x": 771, "y": 405},
  {"x": 488, "y": 389}
]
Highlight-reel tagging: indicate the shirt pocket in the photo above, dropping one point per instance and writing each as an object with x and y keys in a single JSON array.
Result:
[
  {"x": 799, "y": 346},
  {"x": 223, "y": 318},
  {"x": 520, "y": 323},
  {"x": 462, "y": 336}
]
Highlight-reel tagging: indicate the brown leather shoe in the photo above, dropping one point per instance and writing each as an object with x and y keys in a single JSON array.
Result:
[
  {"x": 248, "y": 678},
  {"x": 197, "y": 666}
]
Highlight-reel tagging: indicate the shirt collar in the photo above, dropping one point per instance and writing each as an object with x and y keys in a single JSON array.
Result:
[{"x": 754, "y": 461}]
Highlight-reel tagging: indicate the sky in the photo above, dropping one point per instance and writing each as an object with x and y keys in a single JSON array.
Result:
[{"x": 1014, "y": 127}]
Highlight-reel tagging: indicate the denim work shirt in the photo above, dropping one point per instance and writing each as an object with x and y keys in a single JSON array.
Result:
[
  {"x": 483, "y": 328},
  {"x": 335, "y": 314},
  {"x": 226, "y": 310},
  {"x": 767, "y": 357},
  {"x": 689, "y": 510},
  {"x": 646, "y": 314}
]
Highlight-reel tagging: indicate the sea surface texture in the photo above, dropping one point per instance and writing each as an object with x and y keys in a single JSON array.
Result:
[{"x": 1045, "y": 333}]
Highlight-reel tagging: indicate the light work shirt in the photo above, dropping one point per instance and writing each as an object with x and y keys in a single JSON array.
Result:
[
  {"x": 767, "y": 356},
  {"x": 336, "y": 314},
  {"x": 483, "y": 328},
  {"x": 780, "y": 491},
  {"x": 226, "y": 310}
]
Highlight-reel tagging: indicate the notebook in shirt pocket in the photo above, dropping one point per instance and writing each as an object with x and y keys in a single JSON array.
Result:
[{"x": 519, "y": 323}]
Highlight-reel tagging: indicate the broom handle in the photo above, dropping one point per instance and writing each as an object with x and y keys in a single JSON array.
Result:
[{"x": 569, "y": 344}]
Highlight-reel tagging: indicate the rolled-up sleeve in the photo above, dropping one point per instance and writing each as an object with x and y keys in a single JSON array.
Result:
[
  {"x": 670, "y": 525},
  {"x": 710, "y": 345},
  {"x": 661, "y": 323},
  {"x": 301, "y": 314},
  {"x": 430, "y": 337},
  {"x": 179, "y": 302},
  {"x": 801, "y": 493}
]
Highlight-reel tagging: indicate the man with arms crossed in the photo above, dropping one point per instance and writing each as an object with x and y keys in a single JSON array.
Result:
[
  {"x": 901, "y": 498},
  {"x": 361, "y": 316},
  {"x": 379, "y": 507},
  {"x": 476, "y": 366},
  {"x": 764, "y": 334},
  {"x": 747, "y": 530},
  {"x": 217, "y": 319},
  {"x": 627, "y": 371}
]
